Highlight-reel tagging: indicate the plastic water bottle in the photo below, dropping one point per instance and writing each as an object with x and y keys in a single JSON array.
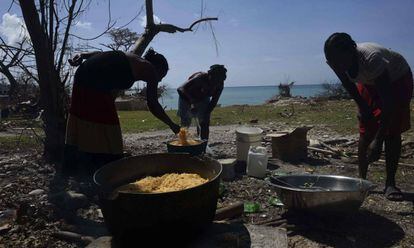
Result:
[{"x": 257, "y": 162}]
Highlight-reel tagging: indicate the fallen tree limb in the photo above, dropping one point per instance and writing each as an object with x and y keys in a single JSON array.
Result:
[
  {"x": 329, "y": 147},
  {"x": 232, "y": 211},
  {"x": 73, "y": 237},
  {"x": 380, "y": 161},
  {"x": 322, "y": 151},
  {"x": 278, "y": 219}
]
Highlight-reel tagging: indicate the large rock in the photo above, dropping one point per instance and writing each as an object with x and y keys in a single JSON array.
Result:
[
  {"x": 70, "y": 200},
  {"x": 36, "y": 192},
  {"x": 101, "y": 242},
  {"x": 76, "y": 200}
]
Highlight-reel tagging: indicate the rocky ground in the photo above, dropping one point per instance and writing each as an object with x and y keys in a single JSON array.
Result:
[{"x": 35, "y": 212}]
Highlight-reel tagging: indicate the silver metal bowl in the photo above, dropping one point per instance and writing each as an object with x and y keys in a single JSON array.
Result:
[{"x": 321, "y": 193}]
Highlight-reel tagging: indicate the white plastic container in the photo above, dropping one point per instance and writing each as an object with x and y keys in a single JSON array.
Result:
[
  {"x": 246, "y": 137},
  {"x": 257, "y": 162}
]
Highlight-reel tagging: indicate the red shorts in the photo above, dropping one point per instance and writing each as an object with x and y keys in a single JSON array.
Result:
[{"x": 402, "y": 93}]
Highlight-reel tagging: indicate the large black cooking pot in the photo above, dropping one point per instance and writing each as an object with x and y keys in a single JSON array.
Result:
[
  {"x": 194, "y": 150},
  {"x": 139, "y": 213}
]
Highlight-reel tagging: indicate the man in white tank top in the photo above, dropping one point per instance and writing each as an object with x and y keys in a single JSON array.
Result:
[{"x": 381, "y": 83}]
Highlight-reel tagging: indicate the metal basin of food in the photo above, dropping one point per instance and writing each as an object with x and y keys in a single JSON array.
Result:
[
  {"x": 194, "y": 150},
  {"x": 321, "y": 193},
  {"x": 188, "y": 209}
]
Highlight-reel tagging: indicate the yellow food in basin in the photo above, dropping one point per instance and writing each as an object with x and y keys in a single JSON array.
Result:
[
  {"x": 165, "y": 183},
  {"x": 183, "y": 139}
]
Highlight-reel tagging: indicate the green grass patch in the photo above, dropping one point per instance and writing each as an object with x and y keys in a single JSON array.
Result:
[
  {"x": 139, "y": 121},
  {"x": 338, "y": 115},
  {"x": 13, "y": 142},
  {"x": 21, "y": 121}
]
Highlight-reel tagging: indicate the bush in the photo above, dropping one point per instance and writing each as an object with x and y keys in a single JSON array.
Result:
[
  {"x": 334, "y": 91},
  {"x": 141, "y": 93}
]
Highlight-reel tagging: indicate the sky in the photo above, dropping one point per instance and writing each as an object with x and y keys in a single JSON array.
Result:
[{"x": 260, "y": 42}]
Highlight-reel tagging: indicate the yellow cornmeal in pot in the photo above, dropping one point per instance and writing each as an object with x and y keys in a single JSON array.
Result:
[
  {"x": 189, "y": 142},
  {"x": 183, "y": 139},
  {"x": 165, "y": 183}
]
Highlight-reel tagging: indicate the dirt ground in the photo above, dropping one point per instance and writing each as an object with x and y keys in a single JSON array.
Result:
[{"x": 31, "y": 187}]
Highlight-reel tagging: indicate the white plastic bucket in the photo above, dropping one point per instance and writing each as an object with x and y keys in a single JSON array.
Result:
[
  {"x": 257, "y": 162},
  {"x": 246, "y": 137}
]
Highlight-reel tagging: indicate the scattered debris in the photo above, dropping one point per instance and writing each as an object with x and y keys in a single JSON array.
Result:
[
  {"x": 251, "y": 207},
  {"x": 38, "y": 218},
  {"x": 7, "y": 218},
  {"x": 275, "y": 202}
]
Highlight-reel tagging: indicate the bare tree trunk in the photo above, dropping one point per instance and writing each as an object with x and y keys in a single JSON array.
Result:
[
  {"x": 51, "y": 87},
  {"x": 150, "y": 31},
  {"x": 12, "y": 80},
  {"x": 143, "y": 41}
]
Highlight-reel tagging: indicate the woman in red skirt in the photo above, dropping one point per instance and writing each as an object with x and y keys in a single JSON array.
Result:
[
  {"x": 381, "y": 83},
  {"x": 93, "y": 133}
]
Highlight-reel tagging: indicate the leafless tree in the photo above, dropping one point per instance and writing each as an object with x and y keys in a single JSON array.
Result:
[
  {"x": 49, "y": 24},
  {"x": 14, "y": 60}
]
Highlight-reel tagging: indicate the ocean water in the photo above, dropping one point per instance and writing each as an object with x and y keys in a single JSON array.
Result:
[{"x": 251, "y": 95}]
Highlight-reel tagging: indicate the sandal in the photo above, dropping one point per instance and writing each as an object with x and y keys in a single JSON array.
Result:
[{"x": 393, "y": 193}]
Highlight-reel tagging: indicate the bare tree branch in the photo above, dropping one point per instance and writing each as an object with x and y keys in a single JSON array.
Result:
[
  {"x": 110, "y": 27},
  {"x": 202, "y": 10},
  {"x": 11, "y": 5},
  {"x": 66, "y": 35},
  {"x": 151, "y": 29},
  {"x": 169, "y": 28},
  {"x": 150, "y": 13},
  {"x": 51, "y": 23},
  {"x": 109, "y": 13},
  {"x": 55, "y": 40},
  {"x": 133, "y": 18},
  {"x": 65, "y": 78},
  {"x": 43, "y": 15},
  {"x": 96, "y": 37},
  {"x": 15, "y": 59},
  {"x": 214, "y": 37},
  {"x": 30, "y": 73}
]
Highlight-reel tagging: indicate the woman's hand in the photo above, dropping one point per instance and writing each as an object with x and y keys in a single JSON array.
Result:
[
  {"x": 374, "y": 150},
  {"x": 175, "y": 128},
  {"x": 76, "y": 60}
]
